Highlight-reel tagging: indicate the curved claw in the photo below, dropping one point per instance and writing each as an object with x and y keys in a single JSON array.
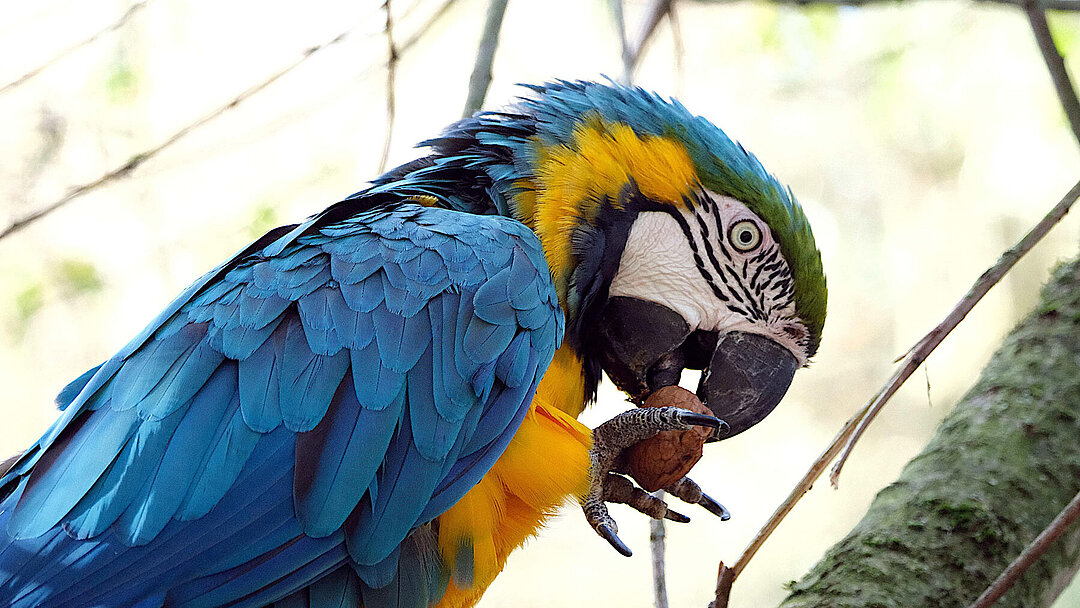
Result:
[
  {"x": 613, "y": 539},
  {"x": 676, "y": 517},
  {"x": 712, "y": 422},
  {"x": 714, "y": 507}
]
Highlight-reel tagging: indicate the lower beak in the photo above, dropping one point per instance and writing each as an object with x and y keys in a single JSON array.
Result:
[{"x": 746, "y": 377}]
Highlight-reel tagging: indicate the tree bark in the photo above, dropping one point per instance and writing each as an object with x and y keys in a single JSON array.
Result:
[{"x": 1000, "y": 467}]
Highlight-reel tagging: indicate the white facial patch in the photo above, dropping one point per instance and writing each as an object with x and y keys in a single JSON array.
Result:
[
  {"x": 717, "y": 265},
  {"x": 658, "y": 266}
]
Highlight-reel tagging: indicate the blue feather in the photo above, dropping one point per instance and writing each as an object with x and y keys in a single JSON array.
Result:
[
  {"x": 164, "y": 490},
  {"x": 433, "y": 433},
  {"x": 117, "y": 488},
  {"x": 67, "y": 471},
  {"x": 401, "y": 340},
  {"x": 259, "y": 378},
  {"x": 72, "y": 390},
  {"x": 307, "y": 381},
  {"x": 376, "y": 385},
  {"x": 339, "y": 589},
  {"x": 337, "y": 460}
]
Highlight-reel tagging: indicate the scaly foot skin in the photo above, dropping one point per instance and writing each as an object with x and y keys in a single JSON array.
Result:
[{"x": 614, "y": 436}]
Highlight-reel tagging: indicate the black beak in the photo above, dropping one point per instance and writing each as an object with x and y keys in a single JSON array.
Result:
[
  {"x": 644, "y": 346},
  {"x": 746, "y": 378}
]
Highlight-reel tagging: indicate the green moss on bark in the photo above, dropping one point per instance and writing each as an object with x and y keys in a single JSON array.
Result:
[{"x": 1000, "y": 467}]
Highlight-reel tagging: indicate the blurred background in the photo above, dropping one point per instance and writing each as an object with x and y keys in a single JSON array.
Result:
[{"x": 923, "y": 138}]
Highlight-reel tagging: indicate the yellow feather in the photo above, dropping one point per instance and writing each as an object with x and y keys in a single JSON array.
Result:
[
  {"x": 601, "y": 159},
  {"x": 546, "y": 462}
]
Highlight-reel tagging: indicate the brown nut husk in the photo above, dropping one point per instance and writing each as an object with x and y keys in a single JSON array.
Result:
[{"x": 668, "y": 456}]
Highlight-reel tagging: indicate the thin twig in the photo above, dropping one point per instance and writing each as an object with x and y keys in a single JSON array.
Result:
[
  {"x": 801, "y": 488},
  {"x": 135, "y": 161},
  {"x": 1055, "y": 64},
  {"x": 657, "y": 546},
  {"x": 391, "y": 77},
  {"x": 138, "y": 159},
  {"x": 624, "y": 44},
  {"x": 485, "y": 58},
  {"x": 1030, "y": 554},
  {"x": 656, "y": 11},
  {"x": 678, "y": 48},
  {"x": 844, "y": 436},
  {"x": 931, "y": 340},
  {"x": 128, "y": 14}
]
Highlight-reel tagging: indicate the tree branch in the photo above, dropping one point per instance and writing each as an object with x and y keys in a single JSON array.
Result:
[
  {"x": 657, "y": 10},
  {"x": 930, "y": 341},
  {"x": 624, "y": 44},
  {"x": 391, "y": 76},
  {"x": 1031, "y": 553},
  {"x": 128, "y": 14},
  {"x": 914, "y": 358},
  {"x": 657, "y": 547},
  {"x": 995, "y": 473},
  {"x": 1055, "y": 64},
  {"x": 485, "y": 58},
  {"x": 138, "y": 159}
]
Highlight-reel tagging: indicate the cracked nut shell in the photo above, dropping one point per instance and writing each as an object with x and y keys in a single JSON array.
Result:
[{"x": 667, "y": 457}]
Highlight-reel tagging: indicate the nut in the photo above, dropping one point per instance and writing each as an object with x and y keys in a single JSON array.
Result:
[{"x": 668, "y": 456}]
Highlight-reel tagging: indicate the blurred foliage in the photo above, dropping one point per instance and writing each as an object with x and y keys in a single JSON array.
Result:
[
  {"x": 76, "y": 277},
  {"x": 121, "y": 81},
  {"x": 263, "y": 219}
]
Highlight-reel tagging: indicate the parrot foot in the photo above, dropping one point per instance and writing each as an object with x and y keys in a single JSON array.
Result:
[{"x": 609, "y": 440}]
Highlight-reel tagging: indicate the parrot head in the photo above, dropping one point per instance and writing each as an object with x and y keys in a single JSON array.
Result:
[{"x": 670, "y": 246}]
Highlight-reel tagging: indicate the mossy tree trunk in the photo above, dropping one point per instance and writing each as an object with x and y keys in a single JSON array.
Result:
[{"x": 1000, "y": 467}]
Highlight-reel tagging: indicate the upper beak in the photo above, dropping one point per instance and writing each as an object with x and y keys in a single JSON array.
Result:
[{"x": 745, "y": 379}]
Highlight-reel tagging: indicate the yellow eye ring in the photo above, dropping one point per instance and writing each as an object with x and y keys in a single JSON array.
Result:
[{"x": 744, "y": 235}]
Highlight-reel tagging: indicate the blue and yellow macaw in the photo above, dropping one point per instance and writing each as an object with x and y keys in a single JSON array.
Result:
[{"x": 376, "y": 406}]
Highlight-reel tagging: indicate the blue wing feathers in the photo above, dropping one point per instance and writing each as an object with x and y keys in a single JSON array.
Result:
[
  {"x": 307, "y": 380},
  {"x": 67, "y": 471},
  {"x": 164, "y": 490},
  {"x": 259, "y": 378},
  {"x": 114, "y": 491},
  {"x": 336, "y": 462},
  {"x": 292, "y": 418},
  {"x": 72, "y": 390}
]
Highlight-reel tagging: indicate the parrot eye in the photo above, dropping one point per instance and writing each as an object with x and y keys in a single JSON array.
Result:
[{"x": 744, "y": 235}]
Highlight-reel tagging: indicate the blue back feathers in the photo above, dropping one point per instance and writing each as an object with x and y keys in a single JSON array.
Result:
[{"x": 286, "y": 429}]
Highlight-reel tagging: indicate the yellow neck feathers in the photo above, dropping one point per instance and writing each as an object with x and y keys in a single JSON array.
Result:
[{"x": 601, "y": 160}]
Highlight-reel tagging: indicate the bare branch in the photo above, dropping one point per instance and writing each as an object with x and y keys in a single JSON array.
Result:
[
  {"x": 135, "y": 161},
  {"x": 391, "y": 77},
  {"x": 138, "y": 159},
  {"x": 657, "y": 10},
  {"x": 931, "y": 340},
  {"x": 432, "y": 20},
  {"x": 1030, "y": 554},
  {"x": 1055, "y": 64},
  {"x": 724, "y": 579},
  {"x": 485, "y": 58},
  {"x": 801, "y": 488},
  {"x": 624, "y": 44},
  {"x": 923, "y": 348},
  {"x": 657, "y": 547},
  {"x": 128, "y": 14}
]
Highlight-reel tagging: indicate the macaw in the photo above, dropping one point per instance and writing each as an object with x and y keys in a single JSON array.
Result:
[{"x": 376, "y": 406}]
